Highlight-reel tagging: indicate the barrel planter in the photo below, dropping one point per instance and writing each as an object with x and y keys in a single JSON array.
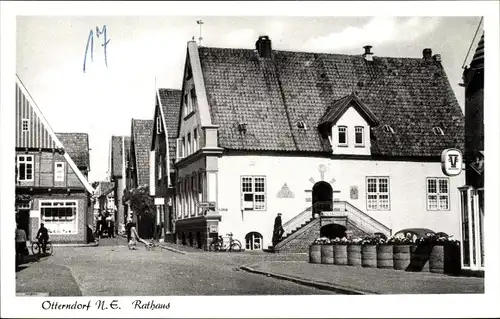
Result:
[
  {"x": 452, "y": 264},
  {"x": 436, "y": 259},
  {"x": 315, "y": 254},
  {"x": 369, "y": 256},
  {"x": 340, "y": 254},
  {"x": 354, "y": 255},
  {"x": 385, "y": 256},
  {"x": 401, "y": 257},
  {"x": 419, "y": 257},
  {"x": 327, "y": 254}
]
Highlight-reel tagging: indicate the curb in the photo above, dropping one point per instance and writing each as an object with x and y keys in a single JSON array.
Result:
[
  {"x": 310, "y": 283},
  {"x": 76, "y": 245},
  {"x": 173, "y": 250}
]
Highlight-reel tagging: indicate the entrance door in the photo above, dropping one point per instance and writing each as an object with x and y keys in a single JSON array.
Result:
[
  {"x": 322, "y": 197},
  {"x": 23, "y": 220}
]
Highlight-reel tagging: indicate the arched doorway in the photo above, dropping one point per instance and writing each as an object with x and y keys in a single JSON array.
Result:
[
  {"x": 333, "y": 231},
  {"x": 322, "y": 197},
  {"x": 253, "y": 241}
]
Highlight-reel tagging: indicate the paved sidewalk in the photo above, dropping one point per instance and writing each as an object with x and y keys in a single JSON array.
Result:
[{"x": 359, "y": 280}]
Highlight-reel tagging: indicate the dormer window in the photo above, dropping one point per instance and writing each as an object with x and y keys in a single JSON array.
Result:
[
  {"x": 437, "y": 131},
  {"x": 342, "y": 131},
  {"x": 158, "y": 125},
  {"x": 388, "y": 129},
  {"x": 26, "y": 125},
  {"x": 359, "y": 136},
  {"x": 301, "y": 125}
]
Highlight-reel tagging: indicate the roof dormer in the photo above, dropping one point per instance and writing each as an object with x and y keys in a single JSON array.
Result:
[{"x": 347, "y": 124}]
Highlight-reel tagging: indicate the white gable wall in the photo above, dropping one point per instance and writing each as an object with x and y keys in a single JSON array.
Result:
[
  {"x": 408, "y": 203},
  {"x": 351, "y": 118}
]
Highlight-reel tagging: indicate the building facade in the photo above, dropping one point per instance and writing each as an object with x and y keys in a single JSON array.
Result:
[
  {"x": 354, "y": 137},
  {"x": 119, "y": 159},
  {"x": 162, "y": 158},
  {"x": 51, "y": 175},
  {"x": 472, "y": 193},
  {"x": 140, "y": 143}
]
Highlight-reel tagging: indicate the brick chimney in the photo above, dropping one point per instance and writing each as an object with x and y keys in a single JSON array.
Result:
[
  {"x": 437, "y": 57},
  {"x": 427, "y": 54},
  {"x": 368, "y": 55},
  {"x": 263, "y": 46}
]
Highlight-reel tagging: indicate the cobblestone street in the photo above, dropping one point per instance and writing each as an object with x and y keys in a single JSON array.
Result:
[{"x": 111, "y": 269}]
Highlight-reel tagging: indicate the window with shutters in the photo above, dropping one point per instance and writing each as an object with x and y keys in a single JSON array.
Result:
[
  {"x": 59, "y": 171},
  {"x": 438, "y": 194},
  {"x": 377, "y": 193},
  {"x": 253, "y": 192}
]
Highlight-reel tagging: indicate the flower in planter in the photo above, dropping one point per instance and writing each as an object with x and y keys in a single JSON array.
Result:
[
  {"x": 437, "y": 239},
  {"x": 322, "y": 241},
  {"x": 371, "y": 240},
  {"x": 400, "y": 240},
  {"x": 355, "y": 241},
  {"x": 340, "y": 241}
]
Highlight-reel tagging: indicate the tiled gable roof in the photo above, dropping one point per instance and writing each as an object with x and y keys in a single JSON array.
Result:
[
  {"x": 171, "y": 101},
  {"x": 270, "y": 96},
  {"x": 141, "y": 138},
  {"x": 338, "y": 108},
  {"x": 77, "y": 146},
  {"x": 116, "y": 154}
]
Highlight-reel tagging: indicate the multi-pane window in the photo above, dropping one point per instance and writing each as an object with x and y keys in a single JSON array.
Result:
[
  {"x": 438, "y": 194},
  {"x": 253, "y": 241},
  {"x": 359, "y": 136},
  {"x": 25, "y": 167},
  {"x": 59, "y": 171},
  {"x": 26, "y": 125},
  {"x": 253, "y": 192},
  {"x": 195, "y": 140},
  {"x": 377, "y": 190},
  {"x": 342, "y": 135},
  {"x": 59, "y": 217}
]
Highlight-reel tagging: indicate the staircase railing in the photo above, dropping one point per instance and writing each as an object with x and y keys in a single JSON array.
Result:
[
  {"x": 298, "y": 220},
  {"x": 363, "y": 220}
]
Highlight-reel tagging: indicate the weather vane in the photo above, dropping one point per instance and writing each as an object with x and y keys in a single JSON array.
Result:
[{"x": 200, "y": 23}]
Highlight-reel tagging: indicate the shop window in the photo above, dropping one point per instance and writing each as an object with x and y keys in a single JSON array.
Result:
[{"x": 59, "y": 217}]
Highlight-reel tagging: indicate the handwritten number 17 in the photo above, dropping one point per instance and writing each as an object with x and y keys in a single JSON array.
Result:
[{"x": 90, "y": 41}]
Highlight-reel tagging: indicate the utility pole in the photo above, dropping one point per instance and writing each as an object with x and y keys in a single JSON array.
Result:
[{"x": 200, "y": 23}]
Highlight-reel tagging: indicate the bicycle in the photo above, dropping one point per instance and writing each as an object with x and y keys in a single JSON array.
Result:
[
  {"x": 152, "y": 245},
  {"x": 218, "y": 244},
  {"x": 36, "y": 249}
]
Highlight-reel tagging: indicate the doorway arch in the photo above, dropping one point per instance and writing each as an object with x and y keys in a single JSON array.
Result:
[
  {"x": 333, "y": 231},
  {"x": 322, "y": 197}
]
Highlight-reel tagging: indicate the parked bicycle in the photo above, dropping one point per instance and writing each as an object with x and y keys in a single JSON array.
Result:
[
  {"x": 219, "y": 245},
  {"x": 36, "y": 249}
]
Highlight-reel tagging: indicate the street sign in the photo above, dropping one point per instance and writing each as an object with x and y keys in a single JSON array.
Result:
[
  {"x": 206, "y": 204},
  {"x": 451, "y": 162}
]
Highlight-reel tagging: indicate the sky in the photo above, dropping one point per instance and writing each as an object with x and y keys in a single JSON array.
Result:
[{"x": 144, "y": 52}]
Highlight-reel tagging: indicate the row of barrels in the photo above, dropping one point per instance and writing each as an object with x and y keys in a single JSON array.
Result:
[{"x": 398, "y": 257}]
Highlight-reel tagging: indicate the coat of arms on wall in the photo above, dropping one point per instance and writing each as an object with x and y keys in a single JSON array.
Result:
[
  {"x": 285, "y": 192},
  {"x": 354, "y": 192}
]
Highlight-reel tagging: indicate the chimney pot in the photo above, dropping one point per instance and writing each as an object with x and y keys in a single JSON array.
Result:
[
  {"x": 368, "y": 55},
  {"x": 437, "y": 57},
  {"x": 263, "y": 46},
  {"x": 427, "y": 53}
]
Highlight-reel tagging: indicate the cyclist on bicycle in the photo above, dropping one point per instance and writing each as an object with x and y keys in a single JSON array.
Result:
[{"x": 43, "y": 237}]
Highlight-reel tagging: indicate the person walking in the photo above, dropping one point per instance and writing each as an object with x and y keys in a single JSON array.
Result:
[
  {"x": 20, "y": 244},
  {"x": 277, "y": 230},
  {"x": 133, "y": 236}
]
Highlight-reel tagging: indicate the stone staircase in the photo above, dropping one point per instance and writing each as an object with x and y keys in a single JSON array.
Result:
[{"x": 303, "y": 229}]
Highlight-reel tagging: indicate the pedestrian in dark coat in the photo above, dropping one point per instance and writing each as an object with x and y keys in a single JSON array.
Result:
[{"x": 277, "y": 230}]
